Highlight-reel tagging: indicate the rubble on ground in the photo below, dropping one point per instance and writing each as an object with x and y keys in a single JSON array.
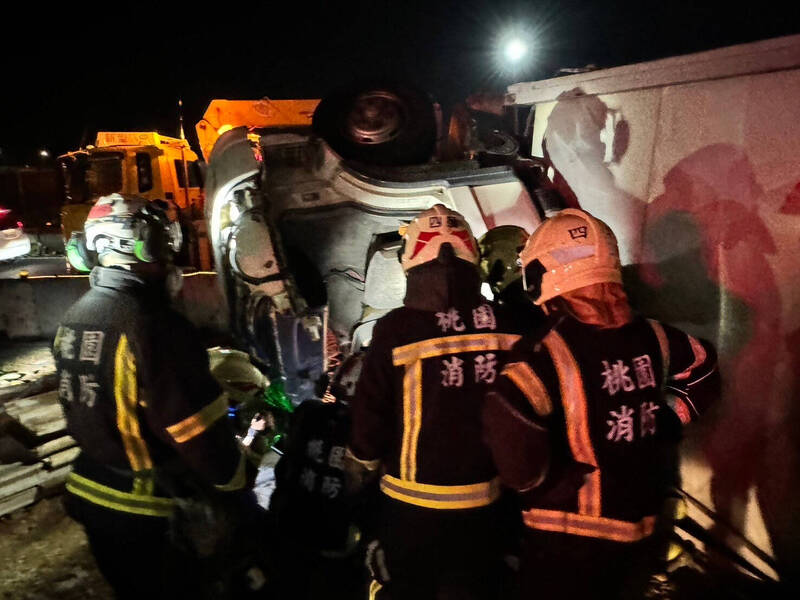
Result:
[
  {"x": 36, "y": 453},
  {"x": 45, "y": 555},
  {"x": 26, "y": 368}
]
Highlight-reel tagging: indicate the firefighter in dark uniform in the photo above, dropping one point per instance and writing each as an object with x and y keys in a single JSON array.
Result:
[
  {"x": 416, "y": 422},
  {"x": 610, "y": 391},
  {"x": 139, "y": 399}
]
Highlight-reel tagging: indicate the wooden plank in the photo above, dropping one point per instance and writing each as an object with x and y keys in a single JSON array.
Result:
[
  {"x": 51, "y": 481},
  {"x": 62, "y": 458},
  {"x": 15, "y": 471},
  {"x": 20, "y": 478},
  {"x": 18, "y": 407},
  {"x": 54, "y": 446},
  {"x": 40, "y": 415},
  {"x": 49, "y": 427}
]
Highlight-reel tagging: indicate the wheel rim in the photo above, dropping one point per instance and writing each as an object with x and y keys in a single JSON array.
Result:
[{"x": 376, "y": 118}]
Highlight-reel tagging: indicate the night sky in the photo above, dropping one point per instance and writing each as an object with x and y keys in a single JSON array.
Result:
[{"x": 70, "y": 71}]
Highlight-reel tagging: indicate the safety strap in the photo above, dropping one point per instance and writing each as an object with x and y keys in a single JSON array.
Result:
[
  {"x": 441, "y": 496},
  {"x": 108, "y": 497}
]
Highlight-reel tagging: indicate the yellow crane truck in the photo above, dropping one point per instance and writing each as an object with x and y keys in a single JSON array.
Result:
[{"x": 146, "y": 164}]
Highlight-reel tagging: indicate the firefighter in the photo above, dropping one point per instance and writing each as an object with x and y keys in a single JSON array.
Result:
[
  {"x": 416, "y": 422},
  {"x": 609, "y": 391},
  {"x": 500, "y": 269},
  {"x": 139, "y": 399}
]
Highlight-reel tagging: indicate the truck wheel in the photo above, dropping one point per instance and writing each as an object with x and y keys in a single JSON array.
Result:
[{"x": 385, "y": 125}]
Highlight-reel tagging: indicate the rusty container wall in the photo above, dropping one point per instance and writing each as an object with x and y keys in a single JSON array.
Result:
[{"x": 694, "y": 161}]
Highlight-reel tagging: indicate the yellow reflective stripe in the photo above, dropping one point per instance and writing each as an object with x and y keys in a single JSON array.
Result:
[
  {"x": 589, "y": 526},
  {"x": 531, "y": 386},
  {"x": 411, "y": 356},
  {"x": 238, "y": 480},
  {"x": 200, "y": 421},
  {"x": 474, "y": 342},
  {"x": 108, "y": 497},
  {"x": 416, "y": 418},
  {"x": 126, "y": 398},
  {"x": 412, "y": 419},
  {"x": 441, "y": 496},
  {"x": 374, "y": 588},
  {"x": 573, "y": 396},
  {"x": 663, "y": 344},
  {"x": 408, "y": 404}
]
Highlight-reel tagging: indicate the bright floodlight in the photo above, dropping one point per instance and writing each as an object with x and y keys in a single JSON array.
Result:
[
  {"x": 44, "y": 153},
  {"x": 515, "y": 49}
]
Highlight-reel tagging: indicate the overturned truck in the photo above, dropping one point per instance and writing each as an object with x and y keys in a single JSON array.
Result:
[
  {"x": 304, "y": 216},
  {"x": 692, "y": 160}
]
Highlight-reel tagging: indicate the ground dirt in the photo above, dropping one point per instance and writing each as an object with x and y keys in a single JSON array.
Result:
[{"x": 44, "y": 555}]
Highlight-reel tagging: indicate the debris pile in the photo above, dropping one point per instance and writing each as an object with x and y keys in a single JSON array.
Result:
[
  {"x": 26, "y": 368},
  {"x": 36, "y": 453}
]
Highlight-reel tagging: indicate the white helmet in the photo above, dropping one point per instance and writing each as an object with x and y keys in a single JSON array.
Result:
[
  {"x": 129, "y": 229},
  {"x": 438, "y": 225}
]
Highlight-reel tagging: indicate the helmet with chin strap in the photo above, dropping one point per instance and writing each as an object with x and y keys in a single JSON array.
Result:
[
  {"x": 432, "y": 228},
  {"x": 500, "y": 248},
  {"x": 124, "y": 230},
  {"x": 571, "y": 250}
]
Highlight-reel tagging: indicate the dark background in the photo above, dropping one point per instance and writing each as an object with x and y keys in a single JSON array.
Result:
[{"x": 69, "y": 71}]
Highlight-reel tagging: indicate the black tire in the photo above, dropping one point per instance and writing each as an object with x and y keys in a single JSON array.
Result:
[{"x": 378, "y": 124}]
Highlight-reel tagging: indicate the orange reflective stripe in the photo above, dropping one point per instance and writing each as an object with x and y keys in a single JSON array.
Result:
[
  {"x": 531, "y": 386},
  {"x": 663, "y": 344},
  {"x": 194, "y": 425},
  {"x": 700, "y": 356},
  {"x": 589, "y": 526},
  {"x": 411, "y": 356},
  {"x": 412, "y": 419},
  {"x": 441, "y": 496},
  {"x": 454, "y": 344},
  {"x": 573, "y": 396}
]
